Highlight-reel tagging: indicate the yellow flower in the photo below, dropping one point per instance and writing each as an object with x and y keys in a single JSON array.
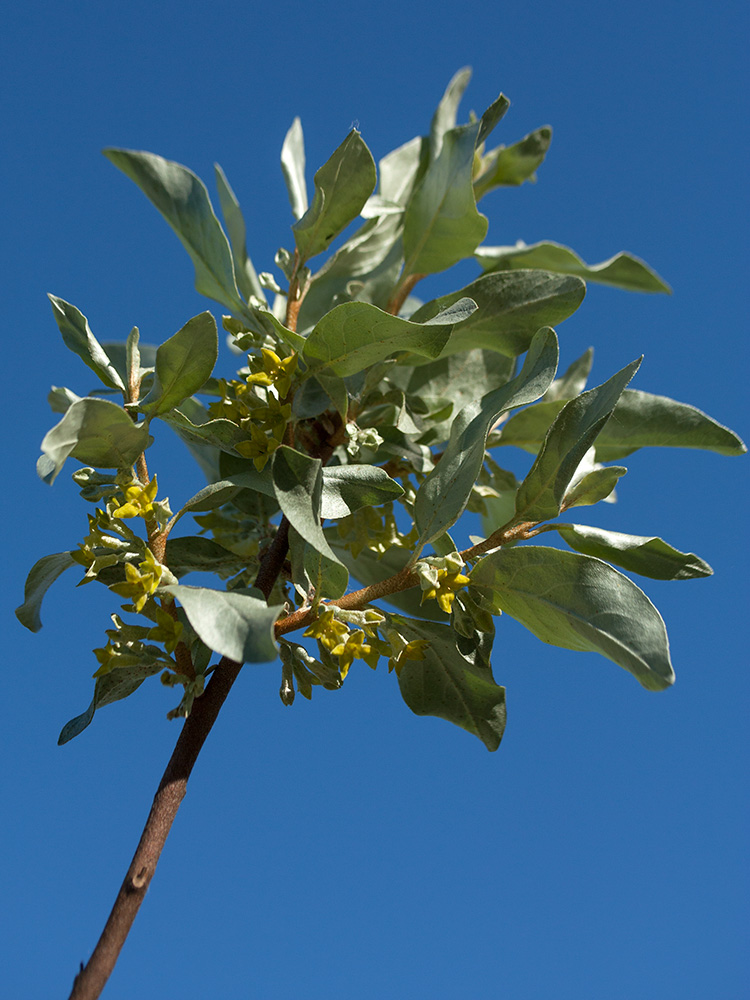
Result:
[
  {"x": 444, "y": 592},
  {"x": 141, "y": 582},
  {"x": 353, "y": 648},
  {"x": 139, "y": 500},
  {"x": 274, "y": 371},
  {"x": 413, "y": 650},
  {"x": 327, "y": 630}
]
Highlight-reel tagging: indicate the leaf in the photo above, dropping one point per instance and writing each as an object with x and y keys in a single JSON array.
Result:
[
  {"x": 60, "y": 398},
  {"x": 442, "y": 497},
  {"x": 541, "y": 494},
  {"x": 347, "y": 488},
  {"x": 578, "y": 602},
  {"x": 647, "y": 555},
  {"x": 293, "y": 168},
  {"x": 444, "y": 118},
  {"x": 642, "y": 419},
  {"x": 511, "y": 307},
  {"x": 402, "y": 169},
  {"x": 442, "y": 224},
  {"x": 183, "y": 200},
  {"x": 594, "y": 486},
  {"x": 512, "y": 165},
  {"x": 183, "y": 364},
  {"x": 238, "y": 625},
  {"x": 247, "y": 279},
  {"x": 218, "y": 433},
  {"x": 355, "y": 335},
  {"x": 97, "y": 433},
  {"x": 623, "y": 270},
  {"x": 42, "y": 575},
  {"x": 342, "y": 186},
  {"x": 198, "y": 554},
  {"x": 114, "y": 686},
  {"x": 454, "y": 680},
  {"x": 298, "y": 483},
  {"x": 77, "y": 336}
]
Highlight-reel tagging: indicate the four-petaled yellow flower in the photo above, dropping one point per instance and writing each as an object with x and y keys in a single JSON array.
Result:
[
  {"x": 413, "y": 650},
  {"x": 327, "y": 630},
  {"x": 139, "y": 500},
  {"x": 444, "y": 593},
  {"x": 275, "y": 371},
  {"x": 352, "y": 648},
  {"x": 141, "y": 581}
]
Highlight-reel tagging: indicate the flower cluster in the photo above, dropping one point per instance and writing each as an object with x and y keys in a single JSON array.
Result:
[{"x": 257, "y": 404}]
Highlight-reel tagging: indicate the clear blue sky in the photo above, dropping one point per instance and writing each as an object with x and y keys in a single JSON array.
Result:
[{"x": 344, "y": 847}]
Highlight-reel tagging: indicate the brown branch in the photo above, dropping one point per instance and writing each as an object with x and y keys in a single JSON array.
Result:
[
  {"x": 402, "y": 293},
  {"x": 92, "y": 978}
]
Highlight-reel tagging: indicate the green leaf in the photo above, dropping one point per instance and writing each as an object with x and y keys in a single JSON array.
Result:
[
  {"x": 42, "y": 575},
  {"x": 183, "y": 200},
  {"x": 247, "y": 279},
  {"x": 198, "y": 554},
  {"x": 183, "y": 364},
  {"x": 511, "y": 307},
  {"x": 444, "y": 118},
  {"x": 60, "y": 398},
  {"x": 355, "y": 335},
  {"x": 442, "y": 497},
  {"x": 238, "y": 624},
  {"x": 579, "y": 602},
  {"x": 594, "y": 486},
  {"x": 298, "y": 482},
  {"x": 97, "y": 433},
  {"x": 442, "y": 225},
  {"x": 541, "y": 494},
  {"x": 642, "y": 419},
  {"x": 114, "y": 686},
  {"x": 454, "y": 680},
  {"x": 512, "y": 165},
  {"x": 402, "y": 169},
  {"x": 293, "y": 168},
  {"x": 647, "y": 555},
  {"x": 77, "y": 336},
  {"x": 347, "y": 488},
  {"x": 623, "y": 270},
  {"x": 218, "y": 433},
  {"x": 342, "y": 186}
]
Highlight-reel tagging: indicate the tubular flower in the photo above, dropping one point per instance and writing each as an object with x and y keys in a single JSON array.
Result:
[
  {"x": 353, "y": 648},
  {"x": 440, "y": 578},
  {"x": 403, "y": 651}
]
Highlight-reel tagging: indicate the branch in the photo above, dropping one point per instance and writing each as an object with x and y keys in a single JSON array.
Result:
[{"x": 92, "y": 978}]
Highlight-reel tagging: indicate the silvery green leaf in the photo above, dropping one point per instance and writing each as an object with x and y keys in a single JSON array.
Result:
[
  {"x": 347, "y": 488},
  {"x": 342, "y": 186},
  {"x": 647, "y": 555},
  {"x": 183, "y": 200},
  {"x": 247, "y": 279},
  {"x": 114, "y": 686},
  {"x": 623, "y": 270},
  {"x": 511, "y": 307},
  {"x": 235, "y": 624},
  {"x": 442, "y": 497},
  {"x": 578, "y": 602},
  {"x": 60, "y": 398},
  {"x": 183, "y": 364},
  {"x": 573, "y": 382},
  {"x": 512, "y": 165},
  {"x": 444, "y": 118},
  {"x": 574, "y": 431},
  {"x": 77, "y": 336},
  {"x": 293, "y": 168},
  {"x": 298, "y": 484},
  {"x": 42, "y": 575},
  {"x": 97, "y": 433},
  {"x": 441, "y": 224},
  {"x": 355, "y": 335},
  {"x": 453, "y": 680}
]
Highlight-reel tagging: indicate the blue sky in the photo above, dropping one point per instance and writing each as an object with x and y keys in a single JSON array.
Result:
[{"x": 344, "y": 847}]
